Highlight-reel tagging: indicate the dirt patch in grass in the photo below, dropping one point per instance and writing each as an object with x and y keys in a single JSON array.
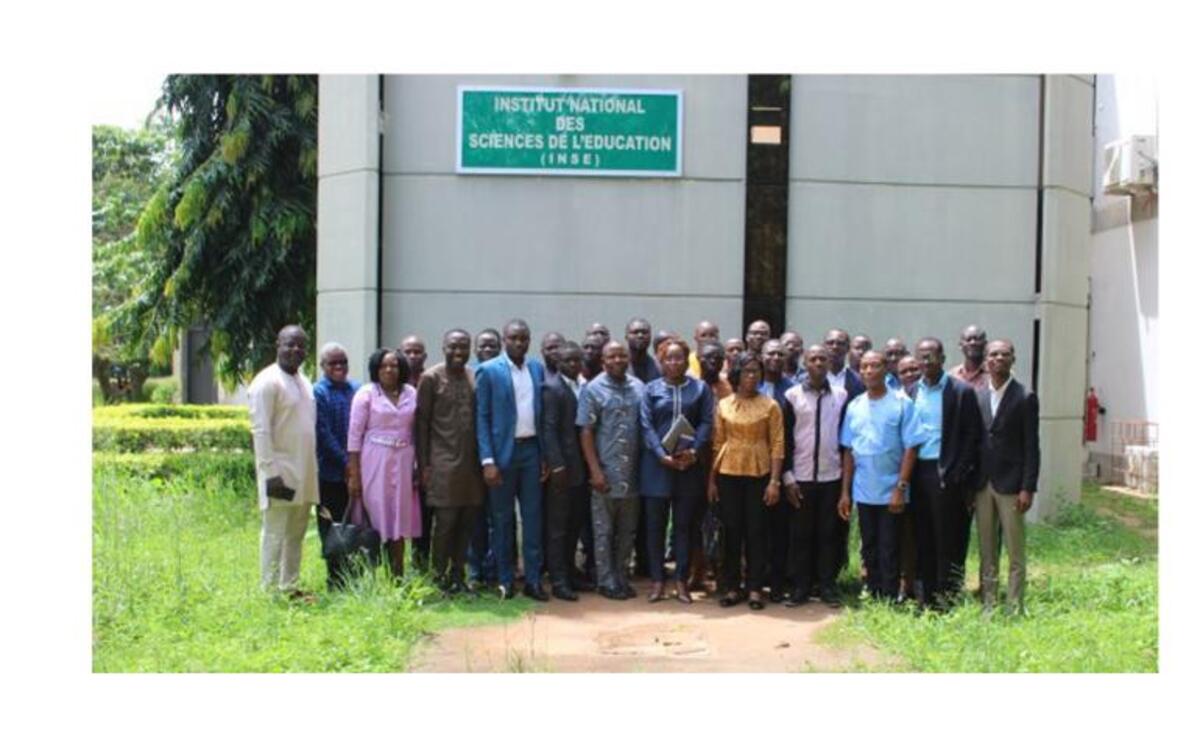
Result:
[{"x": 600, "y": 635}]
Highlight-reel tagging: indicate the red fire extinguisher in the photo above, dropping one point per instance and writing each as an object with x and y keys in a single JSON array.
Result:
[{"x": 1091, "y": 420}]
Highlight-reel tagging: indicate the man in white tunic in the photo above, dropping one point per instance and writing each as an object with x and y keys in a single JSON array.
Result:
[{"x": 283, "y": 420}]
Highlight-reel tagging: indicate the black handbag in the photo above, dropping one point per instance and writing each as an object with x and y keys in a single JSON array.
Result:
[{"x": 346, "y": 541}]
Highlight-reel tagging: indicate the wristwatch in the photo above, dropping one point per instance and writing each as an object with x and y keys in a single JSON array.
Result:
[{"x": 902, "y": 485}]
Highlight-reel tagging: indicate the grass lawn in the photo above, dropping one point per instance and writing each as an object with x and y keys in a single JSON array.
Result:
[
  {"x": 175, "y": 589},
  {"x": 1091, "y": 598}
]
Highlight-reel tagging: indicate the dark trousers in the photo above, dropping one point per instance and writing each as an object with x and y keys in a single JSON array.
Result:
[
  {"x": 521, "y": 483},
  {"x": 880, "y": 549},
  {"x": 334, "y": 497},
  {"x": 566, "y": 509},
  {"x": 655, "y": 510},
  {"x": 940, "y": 517},
  {"x": 814, "y": 537},
  {"x": 421, "y": 545},
  {"x": 744, "y": 518},
  {"x": 641, "y": 567},
  {"x": 452, "y": 528},
  {"x": 965, "y": 533},
  {"x": 481, "y": 562},
  {"x": 843, "y": 543},
  {"x": 587, "y": 539},
  {"x": 779, "y": 519}
]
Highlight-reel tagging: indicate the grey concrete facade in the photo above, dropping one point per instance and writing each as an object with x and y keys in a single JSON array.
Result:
[
  {"x": 913, "y": 210},
  {"x": 560, "y": 252}
]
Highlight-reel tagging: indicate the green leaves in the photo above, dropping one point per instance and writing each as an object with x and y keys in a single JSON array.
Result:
[{"x": 230, "y": 240}]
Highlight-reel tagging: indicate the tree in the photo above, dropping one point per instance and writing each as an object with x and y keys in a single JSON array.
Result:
[
  {"x": 127, "y": 167},
  {"x": 230, "y": 239}
]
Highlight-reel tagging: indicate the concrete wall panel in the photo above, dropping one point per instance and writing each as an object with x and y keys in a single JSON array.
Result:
[
  {"x": 1068, "y": 142},
  {"x": 915, "y": 129},
  {"x": 877, "y": 241},
  {"x": 348, "y": 123},
  {"x": 583, "y": 236},
  {"x": 347, "y": 210},
  {"x": 1067, "y": 235}
]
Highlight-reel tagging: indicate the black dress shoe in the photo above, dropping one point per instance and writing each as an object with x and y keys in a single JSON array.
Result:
[
  {"x": 536, "y": 592},
  {"x": 583, "y": 584},
  {"x": 776, "y": 596},
  {"x": 610, "y": 593},
  {"x": 505, "y": 593},
  {"x": 797, "y": 598},
  {"x": 831, "y": 597},
  {"x": 563, "y": 592},
  {"x": 629, "y": 592}
]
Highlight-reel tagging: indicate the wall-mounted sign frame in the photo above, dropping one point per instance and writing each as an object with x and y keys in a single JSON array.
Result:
[{"x": 569, "y": 131}]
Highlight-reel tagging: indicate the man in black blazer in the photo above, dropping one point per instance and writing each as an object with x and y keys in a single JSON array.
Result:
[
  {"x": 569, "y": 497},
  {"x": 944, "y": 479},
  {"x": 1009, "y": 461}
]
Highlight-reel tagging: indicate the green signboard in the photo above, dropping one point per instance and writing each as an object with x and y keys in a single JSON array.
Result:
[{"x": 570, "y": 131}]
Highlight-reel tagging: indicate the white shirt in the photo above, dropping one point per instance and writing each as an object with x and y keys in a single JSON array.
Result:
[
  {"x": 998, "y": 394},
  {"x": 522, "y": 382},
  {"x": 283, "y": 422},
  {"x": 839, "y": 379}
]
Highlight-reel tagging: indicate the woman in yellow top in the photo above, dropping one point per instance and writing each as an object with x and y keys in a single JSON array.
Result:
[{"x": 748, "y": 449}]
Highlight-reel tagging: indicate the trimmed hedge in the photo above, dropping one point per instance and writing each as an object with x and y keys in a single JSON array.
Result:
[
  {"x": 158, "y": 410},
  {"x": 142, "y": 434}
]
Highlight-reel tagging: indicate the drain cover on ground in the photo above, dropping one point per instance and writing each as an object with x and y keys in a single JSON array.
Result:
[{"x": 653, "y": 641}]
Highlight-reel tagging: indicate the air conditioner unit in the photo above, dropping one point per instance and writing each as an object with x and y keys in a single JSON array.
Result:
[{"x": 1131, "y": 166}]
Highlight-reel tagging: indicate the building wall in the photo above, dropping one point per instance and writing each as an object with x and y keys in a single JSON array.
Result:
[
  {"x": 914, "y": 211},
  {"x": 560, "y": 252},
  {"x": 1123, "y": 264}
]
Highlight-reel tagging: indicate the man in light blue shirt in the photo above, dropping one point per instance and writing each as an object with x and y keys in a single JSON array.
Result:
[
  {"x": 893, "y": 351},
  {"x": 950, "y": 425},
  {"x": 881, "y": 434}
]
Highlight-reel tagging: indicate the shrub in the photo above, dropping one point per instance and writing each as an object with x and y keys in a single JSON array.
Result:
[
  {"x": 164, "y": 393},
  {"x": 141, "y": 434},
  {"x": 138, "y": 410}
]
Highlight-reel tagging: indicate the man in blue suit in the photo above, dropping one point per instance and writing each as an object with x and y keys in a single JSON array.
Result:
[{"x": 508, "y": 409}]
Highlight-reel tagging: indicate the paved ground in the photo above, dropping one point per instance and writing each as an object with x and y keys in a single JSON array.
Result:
[{"x": 599, "y": 635}]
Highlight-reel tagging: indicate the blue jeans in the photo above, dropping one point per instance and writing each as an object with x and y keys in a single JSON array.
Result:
[{"x": 521, "y": 481}]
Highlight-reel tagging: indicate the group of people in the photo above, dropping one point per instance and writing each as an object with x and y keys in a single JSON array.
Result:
[{"x": 750, "y": 454}]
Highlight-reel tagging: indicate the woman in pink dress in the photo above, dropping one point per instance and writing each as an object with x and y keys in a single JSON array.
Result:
[{"x": 382, "y": 453}]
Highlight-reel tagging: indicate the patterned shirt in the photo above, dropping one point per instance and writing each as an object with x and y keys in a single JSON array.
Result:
[
  {"x": 333, "y": 423},
  {"x": 611, "y": 409}
]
